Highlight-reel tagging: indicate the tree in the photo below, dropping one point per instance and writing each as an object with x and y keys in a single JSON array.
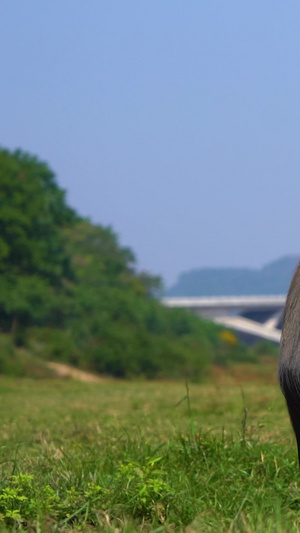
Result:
[
  {"x": 68, "y": 290},
  {"x": 97, "y": 257},
  {"x": 32, "y": 212},
  {"x": 33, "y": 257}
]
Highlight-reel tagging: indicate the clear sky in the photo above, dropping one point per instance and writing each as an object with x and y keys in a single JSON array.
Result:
[{"x": 175, "y": 121}]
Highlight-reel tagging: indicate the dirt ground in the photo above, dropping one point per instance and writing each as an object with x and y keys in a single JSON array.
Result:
[{"x": 66, "y": 371}]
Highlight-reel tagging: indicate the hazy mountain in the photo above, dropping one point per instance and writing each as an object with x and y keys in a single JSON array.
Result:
[{"x": 273, "y": 278}]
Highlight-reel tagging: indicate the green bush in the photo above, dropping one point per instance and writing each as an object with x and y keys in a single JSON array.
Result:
[
  {"x": 8, "y": 361},
  {"x": 265, "y": 348},
  {"x": 17, "y": 362},
  {"x": 52, "y": 344}
]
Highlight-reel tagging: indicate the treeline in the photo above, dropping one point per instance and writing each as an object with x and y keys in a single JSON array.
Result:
[{"x": 69, "y": 292}]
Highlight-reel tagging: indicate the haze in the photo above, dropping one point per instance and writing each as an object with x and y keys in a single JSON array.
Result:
[{"x": 175, "y": 122}]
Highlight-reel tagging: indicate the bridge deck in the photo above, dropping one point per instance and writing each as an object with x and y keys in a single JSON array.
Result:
[
  {"x": 229, "y": 310},
  {"x": 225, "y": 301}
]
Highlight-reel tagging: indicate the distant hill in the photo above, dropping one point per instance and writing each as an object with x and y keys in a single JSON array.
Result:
[{"x": 273, "y": 278}]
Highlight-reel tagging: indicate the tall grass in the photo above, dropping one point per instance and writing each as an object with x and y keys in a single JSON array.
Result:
[{"x": 146, "y": 457}]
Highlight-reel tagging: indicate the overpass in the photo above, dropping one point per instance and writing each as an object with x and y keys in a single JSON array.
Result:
[{"x": 252, "y": 317}]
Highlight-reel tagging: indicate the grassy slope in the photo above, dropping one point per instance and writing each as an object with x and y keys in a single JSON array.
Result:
[{"x": 122, "y": 455}]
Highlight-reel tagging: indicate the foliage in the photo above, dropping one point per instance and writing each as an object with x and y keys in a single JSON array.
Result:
[
  {"x": 33, "y": 258},
  {"x": 32, "y": 210},
  {"x": 265, "y": 348},
  {"x": 16, "y": 362},
  {"x": 69, "y": 291},
  {"x": 230, "y": 350}
]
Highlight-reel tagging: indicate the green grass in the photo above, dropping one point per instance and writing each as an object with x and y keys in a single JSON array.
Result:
[{"x": 142, "y": 456}]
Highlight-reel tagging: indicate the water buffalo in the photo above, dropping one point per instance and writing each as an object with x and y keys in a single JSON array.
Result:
[{"x": 289, "y": 358}]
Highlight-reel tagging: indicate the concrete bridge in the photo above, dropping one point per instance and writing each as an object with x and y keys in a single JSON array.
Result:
[{"x": 252, "y": 317}]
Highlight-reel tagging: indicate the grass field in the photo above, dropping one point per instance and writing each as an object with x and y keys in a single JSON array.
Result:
[{"x": 148, "y": 456}]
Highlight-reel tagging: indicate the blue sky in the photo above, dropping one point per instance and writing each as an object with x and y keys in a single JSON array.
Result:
[{"x": 176, "y": 122}]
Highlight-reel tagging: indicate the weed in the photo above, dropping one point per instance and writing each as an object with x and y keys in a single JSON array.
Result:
[{"x": 77, "y": 457}]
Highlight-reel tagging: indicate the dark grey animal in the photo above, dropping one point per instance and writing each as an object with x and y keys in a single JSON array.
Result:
[{"x": 289, "y": 358}]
